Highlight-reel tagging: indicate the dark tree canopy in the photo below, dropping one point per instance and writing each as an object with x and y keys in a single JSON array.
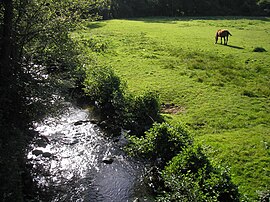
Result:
[{"x": 174, "y": 8}]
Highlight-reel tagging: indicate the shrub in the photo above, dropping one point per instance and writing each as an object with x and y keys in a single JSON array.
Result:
[
  {"x": 191, "y": 160},
  {"x": 191, "y": 177},
  {"x": 102, "y": 85},
  {"x": 183, "y": 188},
  {"x": 135, "y": 113},
  {"x": 143, "y": 111},
  {"x": 161, "y": 143}
]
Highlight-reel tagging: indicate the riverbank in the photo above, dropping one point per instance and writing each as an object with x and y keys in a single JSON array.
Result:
[{"x": 222, "y": 91}]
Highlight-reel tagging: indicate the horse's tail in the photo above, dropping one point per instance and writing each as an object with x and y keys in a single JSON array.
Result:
[{"x": 229, "y": 33}]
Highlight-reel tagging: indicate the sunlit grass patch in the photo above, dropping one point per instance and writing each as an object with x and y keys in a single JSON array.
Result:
[
  {"x": 223, "y": 91},
  {"x": 247, "y": 152}
]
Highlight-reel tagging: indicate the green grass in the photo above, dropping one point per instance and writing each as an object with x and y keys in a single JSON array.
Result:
[{"x": 223, "y": 91}]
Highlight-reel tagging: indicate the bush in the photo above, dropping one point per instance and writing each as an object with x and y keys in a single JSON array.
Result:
[
  {"x": 102, "y": 85},
  {"x": 183, "y": 188},
  {"x": 143, "y": 111},
  {"x": 191, "y": 160},
  {"x": 161, "y": 143},
  {"x": 181, "y": 171},
  {"x": 191, "y": 177},
  {"x": 135, "y": 113}
]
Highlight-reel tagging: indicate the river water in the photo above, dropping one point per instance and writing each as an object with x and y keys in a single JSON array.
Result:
[{"x": 74, "y": 159}]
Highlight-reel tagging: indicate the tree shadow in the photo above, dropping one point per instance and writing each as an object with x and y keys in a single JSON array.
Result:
[{"x": 95, "y": 25}]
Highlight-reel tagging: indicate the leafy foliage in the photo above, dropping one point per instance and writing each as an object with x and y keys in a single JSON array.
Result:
[
  {"x": 161, "y": 143},
  {"x": 38, "y": 57},
  {"x": 142, "y": 111},
  {"x": 183, "y": 172},
  {"x": 191, "y": 176},
  {"x": 135, "y": 113},
  {"x": 102, "y": 85}
]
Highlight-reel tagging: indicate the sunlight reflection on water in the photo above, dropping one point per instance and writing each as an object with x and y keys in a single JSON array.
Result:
[{"x": 71, "y": 161}]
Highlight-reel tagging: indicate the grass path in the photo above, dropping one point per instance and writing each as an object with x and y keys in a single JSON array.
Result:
[{"x": 223, "y": 91}]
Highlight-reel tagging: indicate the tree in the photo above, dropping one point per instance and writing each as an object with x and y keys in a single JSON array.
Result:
[
  {"x": 6, "y": 37},
  {"x": 174, "y": 8},
  {"x": 35, "y": 38},
  {"x": 37, "y": 55}
]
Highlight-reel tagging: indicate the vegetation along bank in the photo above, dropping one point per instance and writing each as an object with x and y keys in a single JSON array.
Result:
[{"x": 219, "y": 92}]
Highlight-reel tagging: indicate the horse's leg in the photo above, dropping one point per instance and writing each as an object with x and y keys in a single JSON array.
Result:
[
  {"x": 221, "y": 39},
  {"x": 227, "y": 39}
]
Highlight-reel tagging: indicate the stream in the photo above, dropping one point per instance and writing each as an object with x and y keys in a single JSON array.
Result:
[{"x": 77, "y": 161}]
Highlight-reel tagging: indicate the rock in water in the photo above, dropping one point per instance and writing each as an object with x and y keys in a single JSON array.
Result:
[
  {"x": 47, "y": 154},
  {"x": 107, "y": 160},
  {"x": 37, "y": 152}
]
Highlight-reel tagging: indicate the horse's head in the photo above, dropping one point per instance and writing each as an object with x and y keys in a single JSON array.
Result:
[
  {"x": 218, "y": 34},
  {"x": 216, "y": 37}
]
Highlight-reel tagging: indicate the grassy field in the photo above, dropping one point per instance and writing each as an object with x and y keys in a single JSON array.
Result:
[{"x": 220, "y": 92}]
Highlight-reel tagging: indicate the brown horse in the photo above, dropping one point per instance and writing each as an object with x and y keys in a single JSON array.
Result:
[{"x": 223, "y": 33}]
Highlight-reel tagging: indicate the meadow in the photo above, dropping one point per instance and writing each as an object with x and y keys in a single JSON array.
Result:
[{"x": 221, "y": 93}]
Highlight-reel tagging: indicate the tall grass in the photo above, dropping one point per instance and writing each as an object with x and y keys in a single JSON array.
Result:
[{"x": 223, "y": 91}]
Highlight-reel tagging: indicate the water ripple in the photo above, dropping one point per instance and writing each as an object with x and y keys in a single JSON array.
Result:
[{"x": 68, "y": 157}]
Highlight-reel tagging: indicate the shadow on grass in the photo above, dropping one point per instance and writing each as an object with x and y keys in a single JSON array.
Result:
[
  {"x": 236, "y": 47},
  {"x": 95, "y": 25},
  {"x": 231, "y": 46}
]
